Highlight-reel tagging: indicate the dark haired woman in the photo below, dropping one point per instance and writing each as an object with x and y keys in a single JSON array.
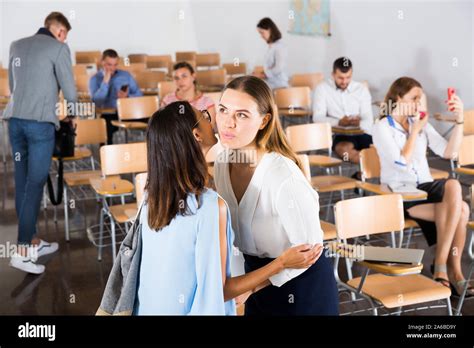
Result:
[
  {"x": 186, "y": 228},
  {"x": 273, "y": 206},
  {"x": 401, "y": 137},
  {"x": 274, "y": 68},
  {"x": 185, "y": 79}
]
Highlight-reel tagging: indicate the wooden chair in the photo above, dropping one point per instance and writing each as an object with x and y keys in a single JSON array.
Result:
[
  {"x": 133, "y": 68},
  {"x": 88, "y": 57},
  {"x": 148, "y": 80},
  {"x": 310, "y": 80},
  {"x": 208, "y": 60},
  {"x": 465, "y": 158},
  {"x": 164, "y": 88},
  {"x": 3, "y": 73},
  {"x": 137, "y": 58},
  {"x": 82, "y": 87},
  {"x": 4, "y": 92},
  {"x": 328, "y": 228},
  {"x": 392, "y": 286},
  {"x": 211, "y": 80},
  {"x": 137, "y": 108},
  {"x": 370, "y": 169},
  {"x": 4, "y": 98},
  {"x": 88, "y": 132},
  {"x": 117, "y": 160},
  {"x": 469, "y": 122},
  {"x": 79, "y": 69},
  {"x": 293, "y": 102},
  {"x": 235, "y": 70},
  {"x": 158, "y": 62},
  {"x": 185, "y": 55}
]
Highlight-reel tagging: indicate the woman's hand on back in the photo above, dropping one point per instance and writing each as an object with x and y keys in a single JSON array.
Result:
[{"x": 301, "y": 256}]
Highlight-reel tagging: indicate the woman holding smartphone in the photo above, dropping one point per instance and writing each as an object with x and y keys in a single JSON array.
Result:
[
  {"x": 273, "y": 206},
  {"x": 401, "y": 137},
  {"x": 186, "y": 227}
]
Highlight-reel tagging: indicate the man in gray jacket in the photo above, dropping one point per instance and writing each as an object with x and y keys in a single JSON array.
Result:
[{"x": 39, "y": 66}]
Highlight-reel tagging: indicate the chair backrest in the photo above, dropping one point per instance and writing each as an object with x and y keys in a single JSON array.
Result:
[
  {"x": 369, "y": 215},
  {"x": 4, "y": 87},
  {"x": 185, "y": 55},
  {"x": 156, "y": 62},
  {"x": 137, "y": 58},
  {"x": 369, "y": 163},
  {"x": 469, "y": 122},
  {"x": 133, "y": 68},
  {"x": 310, "y": 80},
  {"x": 140, "y": 182},
  {"x": 308, "y": 137},
  {"x": 304, "y": 159},
  {"x": 88, "y": 57},
  {"x": 466, "y": 152},
  {"x": 215, "y": 77},
  {"x": 82, "y": 84},
  {"x": 215, "y": 96},
  {"x": 123, "y": 158},
  {"x": 235, "y": 69},
  {"x": 293, "y": 97},
  {"x": 149, "y": 79},
  {"x": 91, "y": 131},
  {"x": 137, "y": 107},
  {"x": 79, "y": 69},
  {"x": 208, "y": 59},
  {"x": 165, "y": 87}
]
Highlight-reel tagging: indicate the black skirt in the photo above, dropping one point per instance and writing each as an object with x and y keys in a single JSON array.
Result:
[
  {"x": 435, "y": 190},
  {"x": 314, "y": 292}
]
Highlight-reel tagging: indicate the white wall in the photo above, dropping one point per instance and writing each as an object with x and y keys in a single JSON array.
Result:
[{"x": 381, "y": 45}]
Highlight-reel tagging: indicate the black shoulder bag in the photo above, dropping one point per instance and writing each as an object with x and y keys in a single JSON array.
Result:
[{"x": 65, "y": 138}]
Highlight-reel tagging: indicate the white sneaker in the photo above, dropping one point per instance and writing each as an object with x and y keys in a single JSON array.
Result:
[
  {"x": 26, "y": 264},
  {"x": 43, "y": 248}
]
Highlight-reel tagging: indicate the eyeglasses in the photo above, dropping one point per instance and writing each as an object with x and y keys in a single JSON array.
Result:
[{"x": 205, "y": 115}]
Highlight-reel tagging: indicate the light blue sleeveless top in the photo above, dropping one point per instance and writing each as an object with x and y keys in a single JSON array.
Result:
[{"x": 180, "y": 271}]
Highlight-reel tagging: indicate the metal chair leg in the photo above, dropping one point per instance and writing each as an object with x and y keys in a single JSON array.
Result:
[
  {"x": 101, "y": 234},
  {"x": 112, "y": 235},
  {"x": 66, "y": 214}
]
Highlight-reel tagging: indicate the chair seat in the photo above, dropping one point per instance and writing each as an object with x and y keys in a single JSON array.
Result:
[
  {"x": 81, "y": 178},
  {"x": 401, "y": 291},
  {"x": 130, "y": 125},
  {"x": 464, "y": 170},
  {"x": 438, "y": 174},
  {"x": 410, "y": 223},
  {"x": 392, "y": 269},
  {"x": 79, "y": 153},
  {"x": 111, "y": 186},
  {"x": 324, "y": 161},
  {"x": 384, "y": 190},
  {"x": 328, "y": 183},
  {"x": 329, "y": 230},
  {"x": 124, "y": 212}
]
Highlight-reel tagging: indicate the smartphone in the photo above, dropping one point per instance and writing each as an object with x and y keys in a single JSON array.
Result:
[
  {"x": 422, "y": 115},
  {"x": 451, "y": 92},
  {"x": 124, "y": 88}
]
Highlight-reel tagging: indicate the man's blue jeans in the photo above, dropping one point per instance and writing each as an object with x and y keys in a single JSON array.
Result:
[{"x": 32, "y": 148}]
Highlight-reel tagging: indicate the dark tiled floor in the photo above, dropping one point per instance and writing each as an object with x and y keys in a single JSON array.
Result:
[{"x": 74, "y": 280}]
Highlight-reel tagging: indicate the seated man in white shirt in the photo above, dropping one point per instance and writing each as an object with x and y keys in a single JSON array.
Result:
[{"x": 343, "y": 102}]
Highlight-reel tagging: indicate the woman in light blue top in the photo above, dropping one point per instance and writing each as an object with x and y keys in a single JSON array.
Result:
[
  {"x": 274, "y": 68},
  {"x": 186, "y": 228}
]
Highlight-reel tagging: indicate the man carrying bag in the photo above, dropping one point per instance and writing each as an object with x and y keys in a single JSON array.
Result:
[{"x": 39, "y": 66}]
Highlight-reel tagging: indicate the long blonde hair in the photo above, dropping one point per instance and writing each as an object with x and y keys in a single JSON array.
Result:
[{"x": 271, "y": 138}]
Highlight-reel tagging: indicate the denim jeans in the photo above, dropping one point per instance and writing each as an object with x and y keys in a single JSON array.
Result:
[{"x": 32, "y": 148}]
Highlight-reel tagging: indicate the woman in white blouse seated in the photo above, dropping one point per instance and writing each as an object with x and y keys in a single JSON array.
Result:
[
  {"x": 401, "y": 137},
  {"x": 274, "y": 68},
  {"x": 271, "y": 203}
]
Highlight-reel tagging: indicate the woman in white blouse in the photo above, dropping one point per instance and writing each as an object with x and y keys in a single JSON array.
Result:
[
  {"x": 271, "y": 203},
  {"x": 274, "y": 68},
  {"x": 401, "y": 137}
]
